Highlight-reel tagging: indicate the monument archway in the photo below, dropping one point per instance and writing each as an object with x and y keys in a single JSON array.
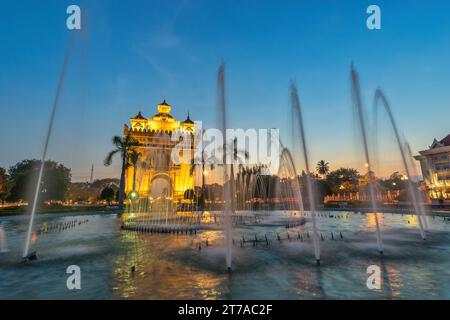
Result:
[
  {"x": 161, "y": 186},
  {"x": 161, "y": 178}
]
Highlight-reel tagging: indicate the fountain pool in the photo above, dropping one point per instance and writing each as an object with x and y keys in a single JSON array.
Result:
[{"x": 279, "y": 265}]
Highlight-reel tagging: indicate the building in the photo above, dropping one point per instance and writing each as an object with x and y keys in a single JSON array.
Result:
[
  {"x": 435, "y": 165},
  {"x": 157, "y": 176}
]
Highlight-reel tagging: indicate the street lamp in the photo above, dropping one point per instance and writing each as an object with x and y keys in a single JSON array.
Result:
[{"x": 133, "y": 195}]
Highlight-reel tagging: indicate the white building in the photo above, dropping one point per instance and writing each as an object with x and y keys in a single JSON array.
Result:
[{"x": 435, "y": 165}]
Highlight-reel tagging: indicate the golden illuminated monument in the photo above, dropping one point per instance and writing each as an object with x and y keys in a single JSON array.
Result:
[{"x": 157, "y": 176}]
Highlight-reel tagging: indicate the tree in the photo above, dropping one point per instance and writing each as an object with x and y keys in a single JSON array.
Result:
[
  {"x": 343, "y": 179},
  {"x": 3, "y": 185},
  {"x": 364, "y": 182},
  {"x": 322, "y": 189},
  {"x": 123, "y": 145},
  {"x": 133, "y": 159},
  {"x": 396, "y": 182},
  {"x": 241, "y": 155},
  {"x": 192, "y": 171},
  {"x": 23, "y": 178},
  {"x": 323, "y": 168},
  {"x": 107, "y": 194}
]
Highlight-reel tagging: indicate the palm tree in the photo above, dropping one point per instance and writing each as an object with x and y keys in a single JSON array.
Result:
[
  {"x": 235, "y": 155},
  {"x": 192, "y": 170},
  {"x": 133, "y": 159},
  {"x": 323, "y": 168},
  {"x": 123, "y": 146},
  {"x": 241, "y": 155}
]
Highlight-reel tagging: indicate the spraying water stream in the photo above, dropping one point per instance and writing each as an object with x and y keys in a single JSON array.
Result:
[
  {"x": 26, "y": 255},
  {"x": 357, "y": 103},
  {"x": 227, "y": 190},
  {"x": 296, "y": 108},
  {"x": 380, "y": 97}
]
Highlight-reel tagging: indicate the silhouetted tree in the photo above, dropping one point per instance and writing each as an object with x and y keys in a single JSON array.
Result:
[
  {"x": 343, "y": 179},
  {"x": 23, "y": 178},
  {"x": 107, "y": 194},
  {"x": 3, "y": 185},
  {"x": 396, "y": 182},
  {"x": 133, "y": 159},
  {"x": 323, "y": 168},
  {"x": 323, "y": 189},
  {"x": 123, "y": 145}
]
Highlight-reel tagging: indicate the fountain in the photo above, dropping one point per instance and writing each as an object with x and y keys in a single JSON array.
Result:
[
  {"x": 419, "y": 196},
  {"x": 381, "y": 98},
  {"x": 272, "y": 241},
  {"x": 26, "y": 254},
  {"x": 228, "y": 188},
  {"x": 296, "y": 109},
  {"x": 239, "y": 192},
  {"x": 357, "y": 103},
  {"x": 287, "y": 171},
  {"x": 3, "y": 247}
]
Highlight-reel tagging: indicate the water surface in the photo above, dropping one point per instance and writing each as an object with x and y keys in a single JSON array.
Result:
[{"x": 171, "y": 266}]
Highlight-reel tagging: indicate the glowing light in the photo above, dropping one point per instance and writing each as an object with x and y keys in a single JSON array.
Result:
[{"x": 133, "y": 195}]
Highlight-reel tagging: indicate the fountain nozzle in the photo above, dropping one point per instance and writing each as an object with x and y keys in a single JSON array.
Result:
[{"x": 30, "y": 257}]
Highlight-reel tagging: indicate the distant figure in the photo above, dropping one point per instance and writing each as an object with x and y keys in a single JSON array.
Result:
[{"x": 2, "y": 240}]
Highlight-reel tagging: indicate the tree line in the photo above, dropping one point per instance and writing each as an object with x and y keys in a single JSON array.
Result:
[{"x": 18, "y": 182}]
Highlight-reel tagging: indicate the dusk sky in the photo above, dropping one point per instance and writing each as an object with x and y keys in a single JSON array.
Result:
[{"x": 132, "y": 54}]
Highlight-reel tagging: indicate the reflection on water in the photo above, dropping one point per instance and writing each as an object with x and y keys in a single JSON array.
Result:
[
  {"x": 371, "y": 223},
  {"x": 394, "y": 280},
  {"x": 34, "y": 238},
  {"x": 309, "y": 285},
  {"x": 412, "y": 221},
  {"x": 150, "y": 269},
  {"x": 119, "y": 264}
]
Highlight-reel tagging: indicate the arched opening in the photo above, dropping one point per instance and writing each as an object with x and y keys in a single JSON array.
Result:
[{"x": 161, "y": 188}]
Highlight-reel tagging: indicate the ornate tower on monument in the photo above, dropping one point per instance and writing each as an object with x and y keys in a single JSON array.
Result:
[{"x": 156, "y": 176}]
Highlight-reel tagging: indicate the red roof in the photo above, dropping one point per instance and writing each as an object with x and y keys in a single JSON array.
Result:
[{"x": 446, "y": 141}]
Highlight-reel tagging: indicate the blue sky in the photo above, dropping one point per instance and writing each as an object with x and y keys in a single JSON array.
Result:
[{"x": 132, "y": 54}]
